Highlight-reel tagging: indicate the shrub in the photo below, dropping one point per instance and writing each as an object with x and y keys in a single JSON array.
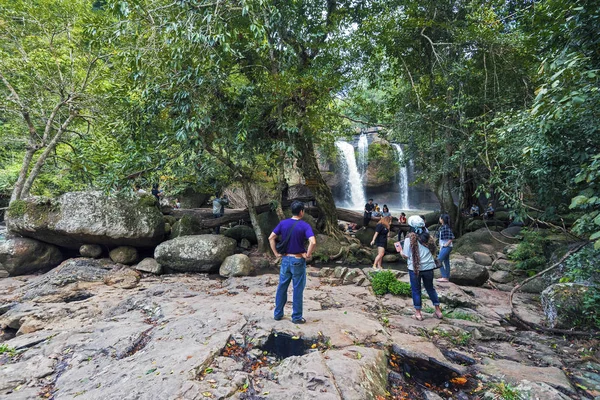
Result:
[
  {"x": 529, "y": 255},
  {"x": 385, "y": 282},
  {"x": 399, "y": 288}
]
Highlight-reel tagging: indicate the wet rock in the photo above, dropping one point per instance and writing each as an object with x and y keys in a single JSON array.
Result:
[
  {"x": 79, "y": 218},
  {"x": 236, "y": 265},
  {"x": 90, "y": 250},
  {"x": 124, "y": 255},
  {"x": 563, "y": 304},
  {"x": 482, "y": 258},
  {"x": 466, "y": 273},
  {"x": 240, "y": 232},
  {"x": 149, "y": 264},
  {"x": 501, "y": 277},
  {"x": 198, "y": 253},
  {"x": 20, "y": 256}
]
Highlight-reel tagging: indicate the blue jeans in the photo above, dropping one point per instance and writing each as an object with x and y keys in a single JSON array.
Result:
[
  {"x": 415, "y": 285},
  {"x": 292, "y": 270},
  {"x": 218, "y": 227},
  {"x": 444, "y": 258}
]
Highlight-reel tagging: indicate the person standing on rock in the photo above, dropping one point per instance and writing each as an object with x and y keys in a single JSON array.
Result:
[
  {"x": 219, "y": 209},
  {"x": 445, "y": 237},
  {"x": 294, "y": 232},
  {"x": 418, "y": 252},
  {"x": 380, "y": 239},
  {"x": 369, "y": 207}
]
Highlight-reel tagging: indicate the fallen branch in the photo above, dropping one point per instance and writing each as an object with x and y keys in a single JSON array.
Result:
[{"x": 536, "y": 327}]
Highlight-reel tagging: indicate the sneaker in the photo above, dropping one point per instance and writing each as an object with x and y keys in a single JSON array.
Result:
[{"x": 299, "y": 321}]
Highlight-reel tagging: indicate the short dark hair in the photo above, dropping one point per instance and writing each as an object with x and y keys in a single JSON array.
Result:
[
  {"x": 297, "y": 207},
  {"x": 370, "y": 199}
]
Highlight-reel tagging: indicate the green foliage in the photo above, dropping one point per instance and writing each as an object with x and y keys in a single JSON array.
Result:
[
  {"x": 382, "y": 159},
  {"x": 506, "y": 391},
  {"x": 530, "y": 252},
  {"x": 385, "y": 282},
  {"x": 17, "y": 209},
  {"x": 6, "y": 349},
  {"x": 588, "y": 200},
  {"x": 147, "y": 200},
  {"x": 584, "y": 267}
]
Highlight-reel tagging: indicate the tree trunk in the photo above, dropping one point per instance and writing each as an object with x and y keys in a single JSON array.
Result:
[
  {"x": 443, "y": 192},
  {"x": 18, "y": 189},
  {"x": 310, "y": 169},
  {"x": 260, "y": 237},
  {"x": 281, "y": 191}
]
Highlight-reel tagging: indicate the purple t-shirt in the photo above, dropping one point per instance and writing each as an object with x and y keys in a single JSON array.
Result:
[{"x": 301, "y": 232}]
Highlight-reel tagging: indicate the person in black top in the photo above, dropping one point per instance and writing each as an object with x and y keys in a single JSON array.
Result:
[
  {"x": 380, "y": 239},
  {"x": 156, "y": 192},
  {"x": 369, "y": 207}
]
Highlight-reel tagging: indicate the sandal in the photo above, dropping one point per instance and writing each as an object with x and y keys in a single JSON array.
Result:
[
  {"x": 418, "y": 317},
  {"x": 440, "y": 315}
]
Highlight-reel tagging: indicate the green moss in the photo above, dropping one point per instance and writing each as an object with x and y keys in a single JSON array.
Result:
[
  {"x": 148, "y": 201},
  {"x": 17, "y": 209}
]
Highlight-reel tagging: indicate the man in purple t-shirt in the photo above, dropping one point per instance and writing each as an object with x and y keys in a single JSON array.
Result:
[{"x": 293, "y": 261}]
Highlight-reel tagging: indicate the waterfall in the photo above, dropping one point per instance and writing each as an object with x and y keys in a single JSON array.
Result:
[
  {"x": 354, "y": 187},
  {"x": 403, "y": 181},
  {"x": 363, "y": 154}
]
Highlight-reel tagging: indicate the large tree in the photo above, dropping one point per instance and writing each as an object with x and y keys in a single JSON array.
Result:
[{"x": 48, "y": 78}]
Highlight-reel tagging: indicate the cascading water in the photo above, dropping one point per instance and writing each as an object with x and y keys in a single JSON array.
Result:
[
  {"x": 363, "y": 154},
  {"x": 355, "y": 194},
  {"x": 403, "y": 180}
]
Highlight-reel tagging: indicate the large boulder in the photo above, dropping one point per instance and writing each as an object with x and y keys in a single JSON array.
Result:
[
  {"x": 240, "y": 232},
  {"x": 187, "y": 226},
  {"x": 236, "y": 265},
  {"x": 327, "y": 247},
  {"x": 124, "y": 255},
  {"x": 480, "y": 240},
  {"x": 365, "y": 235},
  {"x": 20, "y": 256},
  {"x": 465, "y": 272},
  {"x": 563, "y": 304},
  {"x": 482, "y": 258},
  {"x": 195, "y": 253},
  {"x": 79, "y": 218}
]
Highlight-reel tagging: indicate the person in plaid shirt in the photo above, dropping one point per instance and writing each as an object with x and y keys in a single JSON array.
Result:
[{"x": 445, "y": 237}]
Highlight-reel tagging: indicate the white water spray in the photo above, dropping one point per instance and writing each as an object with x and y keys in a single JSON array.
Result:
[
  {"x": 403, "y": 181},
  {"x": 355, "y": 195},
  {"x": 363, "y": 154}
]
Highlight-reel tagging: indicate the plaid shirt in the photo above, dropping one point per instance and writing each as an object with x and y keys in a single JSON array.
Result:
[{"x": 445, "y": 233}]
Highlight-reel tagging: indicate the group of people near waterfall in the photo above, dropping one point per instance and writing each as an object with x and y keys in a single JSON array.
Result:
[{"x": 418, "y": 248}]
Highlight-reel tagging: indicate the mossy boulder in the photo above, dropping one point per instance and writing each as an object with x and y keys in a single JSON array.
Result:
[
  {"x": 236, "y": 265},
  {"x": 240, "y": 232},
  {"x": 77, "y": 218},
  {"x": 20, "y": 256},
  {"x": 480, "y": 240},
  {"x": 186, "y": 226},
  {"x": 365, "y": 235},
  {"x": 90, "y": 250},
  {"x": 563, "y": 304},
  {"x": 327, "y": 247},
  {"x": 124, "y": 255},
  {"x": 196, "y": 253},
  {"x": 431, "y": 218}
]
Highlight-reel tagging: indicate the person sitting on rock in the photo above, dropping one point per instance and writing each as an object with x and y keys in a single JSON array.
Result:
[
  {"x": 417, "y": 250},
  {"x": 489, "y": 212},
  {"x": 386, "y": 211},
  {"x": 474, "y": 211},
  {"x": 369, "y": 207},
  {"x": 139, "y": 190}
]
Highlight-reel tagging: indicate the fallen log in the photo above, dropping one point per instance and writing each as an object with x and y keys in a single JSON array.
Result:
[{"x": 204, "y": 216}]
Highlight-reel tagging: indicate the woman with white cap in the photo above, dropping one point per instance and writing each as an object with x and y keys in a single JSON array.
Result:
[{"x": 418, "y": 250}]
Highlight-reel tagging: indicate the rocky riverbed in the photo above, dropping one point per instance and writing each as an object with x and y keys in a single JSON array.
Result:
[{"x": 92, "y": 329}]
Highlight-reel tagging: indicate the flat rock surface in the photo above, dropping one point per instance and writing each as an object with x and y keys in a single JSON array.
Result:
[{"x": 179, "y": 337}]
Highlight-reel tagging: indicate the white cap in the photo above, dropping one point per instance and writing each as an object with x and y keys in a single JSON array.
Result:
[{"x": 416, "y": 222}]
